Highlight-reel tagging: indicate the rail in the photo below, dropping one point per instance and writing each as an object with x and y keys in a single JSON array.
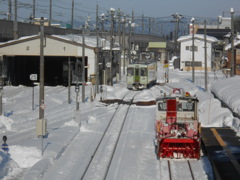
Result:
[
  {"x": 104, "y": 134},
  {"x": 174, "y": 171}
]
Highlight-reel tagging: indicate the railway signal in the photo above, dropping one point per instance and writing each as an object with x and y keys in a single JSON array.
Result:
[{"x": 4, "y": 145}]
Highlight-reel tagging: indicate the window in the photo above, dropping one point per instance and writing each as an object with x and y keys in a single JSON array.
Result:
[
  {"x": 143, "y": 71},
  {"x": 217, "y": 54},
  {"x": 196, "y": 63},
  {"x": 195, "y": 48},
  {"x": 162, "y": 106},
  {"x": 187, "y": 47},
  {"x": 136, "y": 71},
  {"x": 130, "y": 71}
]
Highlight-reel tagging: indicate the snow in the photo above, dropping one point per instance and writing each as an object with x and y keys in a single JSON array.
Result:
[
  {"x": 21, "y": 38},
  {"x": 31, "y": 155},
  {"x": 197, "y": 36},
  {"x": 69, "y": 146},
  {"x": 90, "y": 41}
]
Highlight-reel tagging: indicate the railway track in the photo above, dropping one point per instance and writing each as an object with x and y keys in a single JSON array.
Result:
[
  {"x": 109, "y": 140},
  {"x": 181, "y": 169},
  {"x": 94, "y": 159}
]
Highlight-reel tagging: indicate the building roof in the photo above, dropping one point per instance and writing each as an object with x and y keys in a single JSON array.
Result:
[
  {"x": 56, "y": 45},
  {"x": 229, "y": 46},
  {"x": 197, "y": 36},
  {"x": 90, "y": 41},
  {"x": 236, "y": 43},
  {"x": 157, "y": 45},
  {"x": 218, "y": 33}
]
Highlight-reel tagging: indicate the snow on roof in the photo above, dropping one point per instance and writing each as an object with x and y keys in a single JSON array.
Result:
[
  {"x": 21, "y": 38},
  {"x": 229, "y": 35},
  {"x": 236, "y": 43},
  {"x": 197, "y": 36},
  {"x": 90, "y": 41}
]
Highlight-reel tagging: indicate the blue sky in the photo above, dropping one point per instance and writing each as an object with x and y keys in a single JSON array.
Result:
[
  {"x": 152, "y": 8},
  {"x": 162, "y": 8}
]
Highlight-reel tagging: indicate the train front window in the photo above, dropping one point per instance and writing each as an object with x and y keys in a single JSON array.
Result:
[
  {"x": 130, "y": 71},
  {"x": 143, "y": 71},
  {"x": 136, "y": 71},
  {"x": 162, "y": 106}
]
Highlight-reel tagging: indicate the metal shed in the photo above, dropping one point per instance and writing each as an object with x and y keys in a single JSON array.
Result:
[{"x": 20, "y": 58}]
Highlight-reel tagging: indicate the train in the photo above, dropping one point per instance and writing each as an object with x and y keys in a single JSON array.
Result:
[
  {"x": 141, "y": 75},
  {"x": 177, "y": 126}
]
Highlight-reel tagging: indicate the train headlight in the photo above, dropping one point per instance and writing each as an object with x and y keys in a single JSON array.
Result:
[{"x": 177, "y": 99}]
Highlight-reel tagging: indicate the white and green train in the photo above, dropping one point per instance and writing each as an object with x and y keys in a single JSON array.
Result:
[{"x": 141, "y": 75}]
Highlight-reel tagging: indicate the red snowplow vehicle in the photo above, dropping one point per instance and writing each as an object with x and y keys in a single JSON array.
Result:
[{"x": 177, "y": 126}]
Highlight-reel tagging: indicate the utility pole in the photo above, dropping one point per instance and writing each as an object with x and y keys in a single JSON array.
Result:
[
  {"x": 41, "y": 122},
  {"x": 34, "y": 9},
  {"x": 72, "y": 13},
  {"x": 161, "y": 34},
  {"x": 177, "y": 17},
  {"x": 149, "y": 26},
  {"x": 50, "y": 13},
  {"x": 129, "y": 41},
  {"x": 232, "y": 44},
  {"x": 69, "y": 80},
  {"x": 83, "y": 64},
  {"x": 193, "y": 49},
  {"x": 1, "y": 83},
  {"x": 132, "y": 16},
  {"x": 152, "y": 26},
  {"x": 124, "y": 43},
  {"x": 132, "y": 30},
  {"x": 78, "y": 73},
  {"x": 119, "y": 41},
  {"x": 41, "y": 97},
  {"x": 97, "y": 60},
  {"x": 112, "y": 11},
  {"x": 205, "y": 55},
  {"x": 102, "y": 22},
  {"x": 9, "y": 9},
  {"x": 15, "y": 24}
]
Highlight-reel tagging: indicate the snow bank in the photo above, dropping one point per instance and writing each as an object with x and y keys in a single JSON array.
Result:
[
  {"x": 8, "y": 168},
  {"x": 229, "y": 93},
  {"x": 71, "y": 123},
  {"x": 25, "y": 157},
  {"x": 6, "y": 123}
]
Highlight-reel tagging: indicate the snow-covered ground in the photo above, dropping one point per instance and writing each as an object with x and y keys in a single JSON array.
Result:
[{"x": 55, "y": 157}]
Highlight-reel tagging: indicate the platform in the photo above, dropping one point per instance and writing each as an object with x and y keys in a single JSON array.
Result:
[{"x": 222, "y": 146}]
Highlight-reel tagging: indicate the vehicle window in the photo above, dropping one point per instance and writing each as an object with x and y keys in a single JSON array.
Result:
[
  {"x": 137, "y": 72},
  {"x": 179, "y": 106},
  {"x": 130, "y": 71},
  {"x": 162, "y": 106},
  {"x": 143, "y": 71}
]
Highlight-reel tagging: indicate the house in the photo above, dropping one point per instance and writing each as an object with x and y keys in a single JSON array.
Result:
[
  {"x": 236, "y": 58},
  {"x": 20, "y": 58},
  {"x": 220, "y": 30},
  {"x": 199, "y": 52}
]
